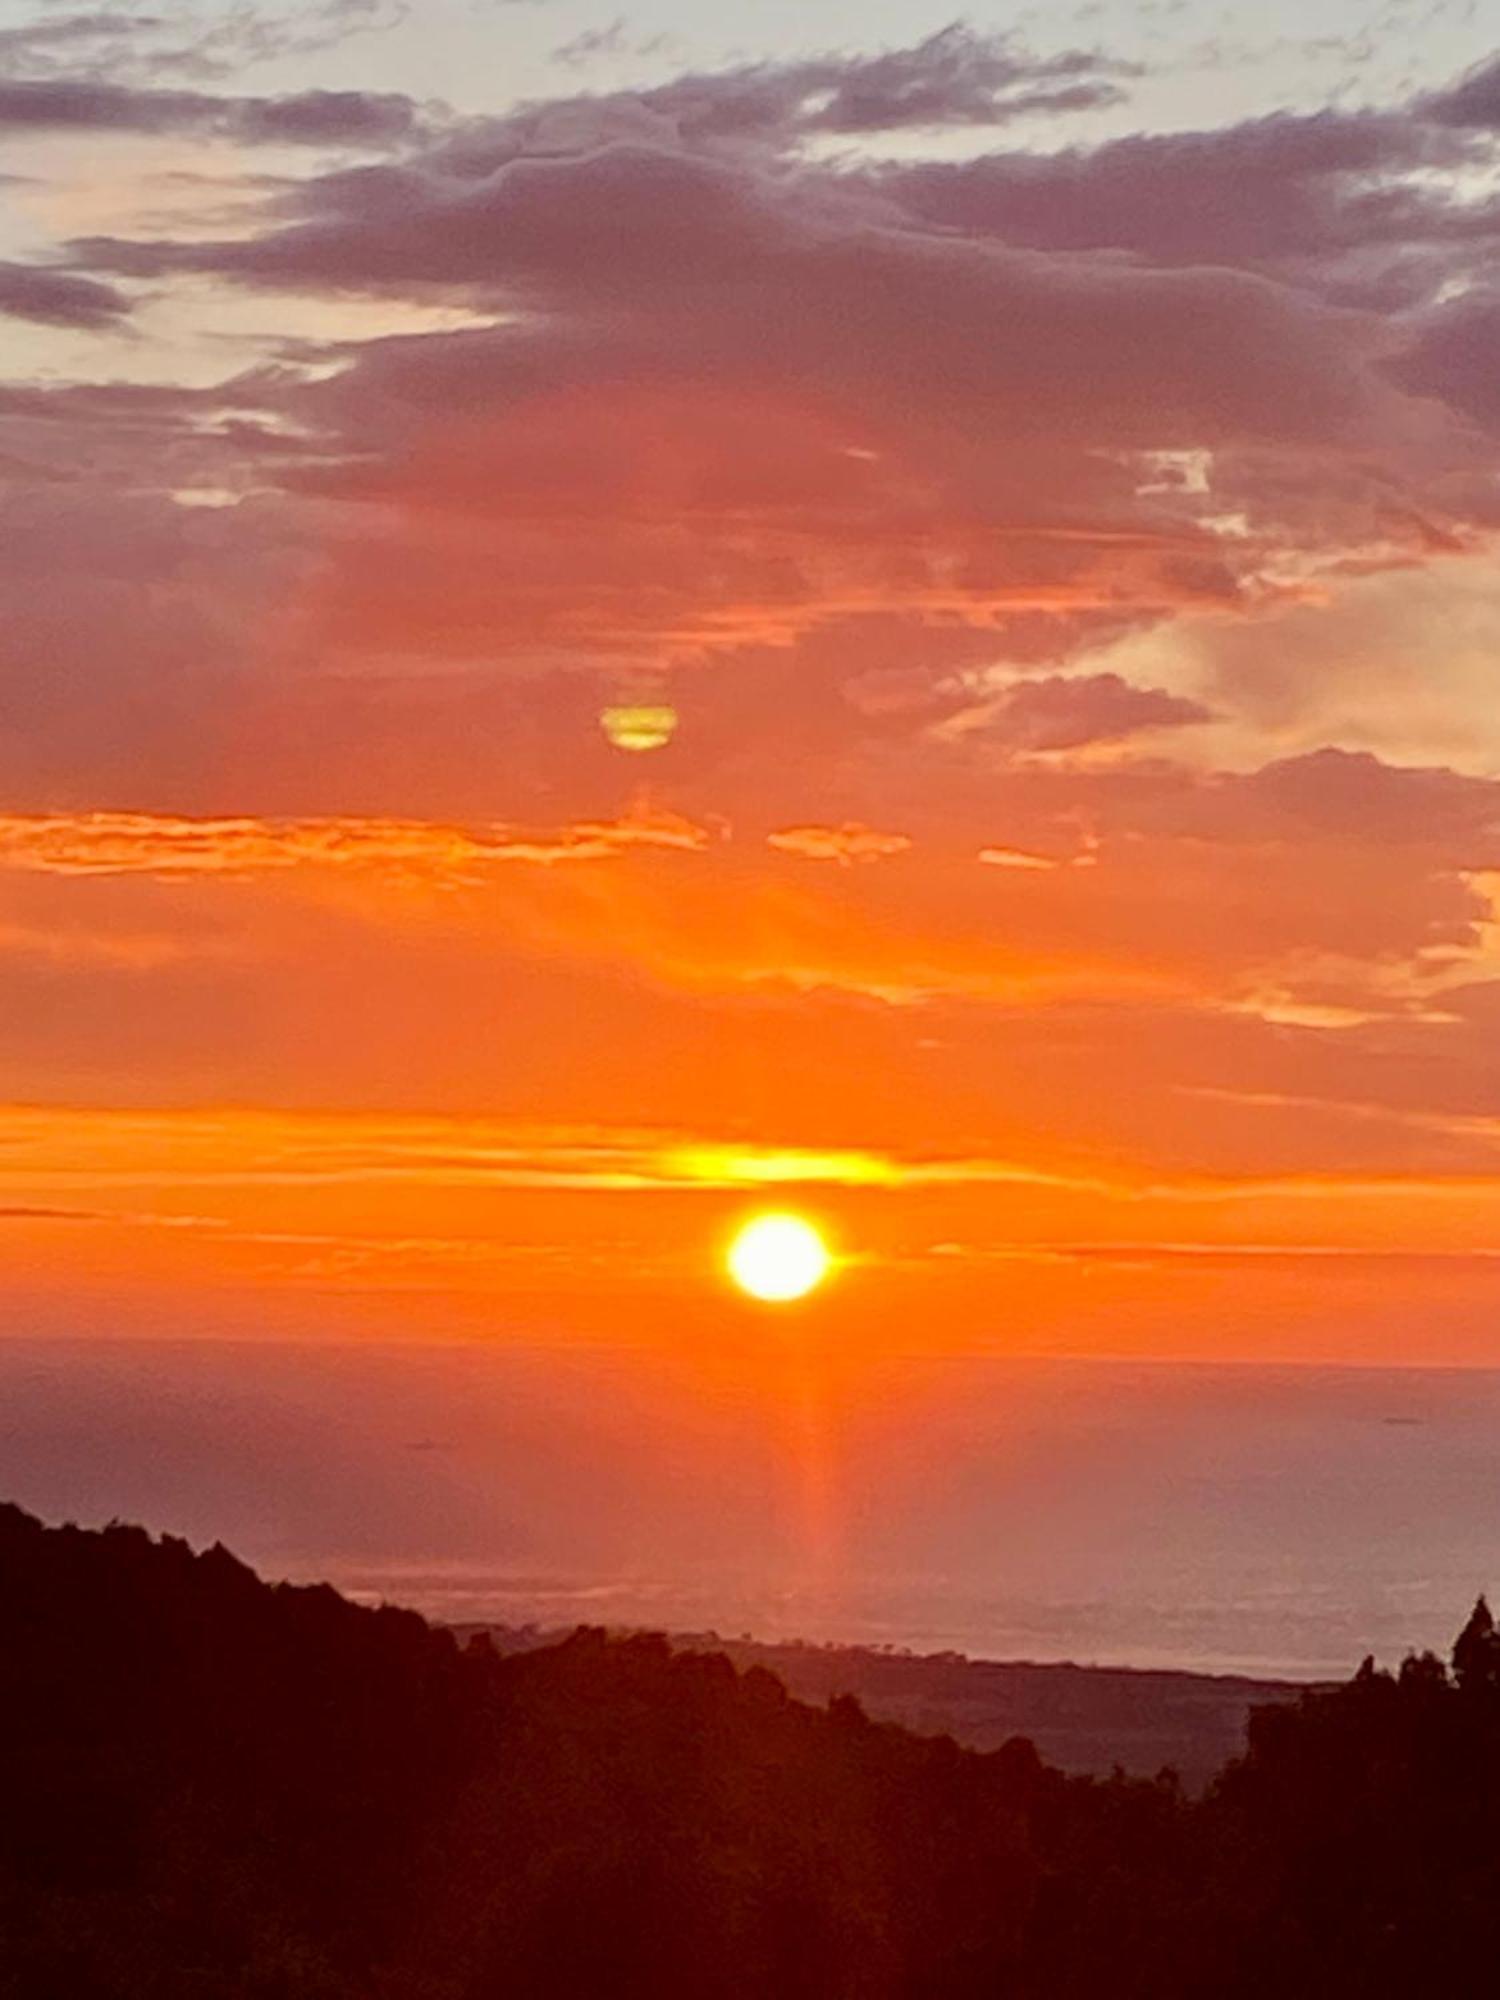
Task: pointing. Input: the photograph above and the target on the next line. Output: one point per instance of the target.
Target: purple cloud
(60, 298)
(1473, 101)
(1455, 355)
(1062, 712)
(313, 117)
(1276, 191)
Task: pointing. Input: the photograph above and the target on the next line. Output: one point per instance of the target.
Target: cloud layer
(1063, 554)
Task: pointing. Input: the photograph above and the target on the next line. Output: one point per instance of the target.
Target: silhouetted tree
(1476, 1652)
(1423, 1671)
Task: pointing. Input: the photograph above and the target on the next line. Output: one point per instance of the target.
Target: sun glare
(778, 1257)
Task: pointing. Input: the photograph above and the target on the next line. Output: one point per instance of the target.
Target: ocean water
(1280, 1521)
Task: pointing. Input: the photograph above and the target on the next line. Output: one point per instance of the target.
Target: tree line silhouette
(216, 1789)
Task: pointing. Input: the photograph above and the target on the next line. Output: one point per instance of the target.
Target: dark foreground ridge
(1082, 1719)
(212, 1789)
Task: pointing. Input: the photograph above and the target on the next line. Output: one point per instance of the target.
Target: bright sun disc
(778, 1257)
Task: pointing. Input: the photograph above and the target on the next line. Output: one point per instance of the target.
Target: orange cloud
(1016, 857)
(50, 1149)
(844, 844)
(113, 843)
(62, 1146)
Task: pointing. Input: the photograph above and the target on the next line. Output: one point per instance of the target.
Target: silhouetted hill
(212, 1789)
(1083, 1719)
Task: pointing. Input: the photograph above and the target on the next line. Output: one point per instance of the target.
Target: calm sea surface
(1281, 1520)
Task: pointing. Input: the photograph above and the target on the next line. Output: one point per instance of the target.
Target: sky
(608, 619)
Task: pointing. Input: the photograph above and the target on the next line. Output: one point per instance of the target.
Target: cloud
(1299, 194)
(1396, 663)
(325, 118)
(15, 1214)
(1053, 506)
(1452, 355)
(1474, 101)
(792, 395)
(841, 415)
(298, 1149)
(1279, 934)
(633, 253)
(1357, 795)
(951, 79)
(614, 40)
(1017, 857)
(329, 118)
(845, 844)
(60, 41)
(1062, 712)
(60, 298)
(150, 616)
(956, 78)
(176, 36)
(290, 1164)
(114, 844)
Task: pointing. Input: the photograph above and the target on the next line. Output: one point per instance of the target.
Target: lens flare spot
(639, 726)
(776, 1258)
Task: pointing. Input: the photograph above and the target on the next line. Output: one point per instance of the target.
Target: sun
(778, 1257)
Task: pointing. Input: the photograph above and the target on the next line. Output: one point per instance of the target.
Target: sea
(1274, 1521)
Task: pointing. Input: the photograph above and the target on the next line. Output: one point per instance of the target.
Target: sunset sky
(606, 619)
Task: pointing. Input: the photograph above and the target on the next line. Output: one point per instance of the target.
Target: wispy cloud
(326, 118)
(844, 844)
(120, 1148)
(178, 36)
(104, 843)
(125, 1148)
